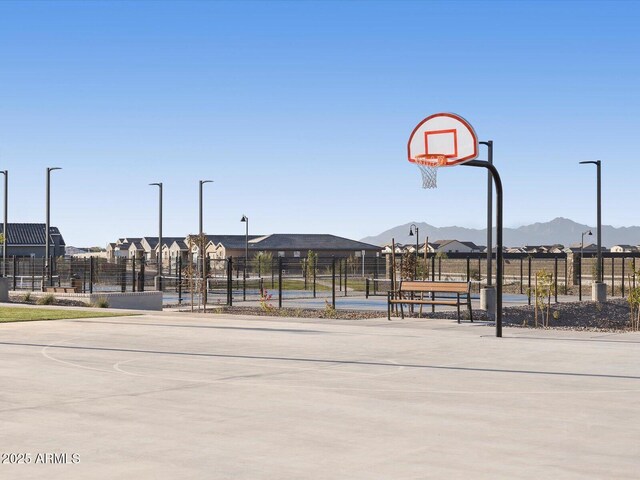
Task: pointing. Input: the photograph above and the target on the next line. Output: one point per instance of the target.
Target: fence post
(555, 278)
(133, 273)
(340, 274)
(433, 269)
(468, 269)
(279, 282)
(580, 278)
(179, 267)
(141, 275)
(375, 272)
(521, 273)
(613, 278)
(529, 282)
(15, 278)
(244, 279)
(566, 273)
(622, 276)
(315, 269)
(272, 279)
(123, 276)
(230, 281)
(346, 276)
(33, 274)
(333, 282)
(366, 288)
(90, 274)
(439, 268)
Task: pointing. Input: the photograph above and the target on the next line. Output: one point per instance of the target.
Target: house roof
(166, 241)
(28, 233)
(304, 241)
(180, 244)
(232, 241)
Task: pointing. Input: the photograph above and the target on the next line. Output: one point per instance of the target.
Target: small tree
(408, 266)
(310, 264)
(634, 302)
(543, 285)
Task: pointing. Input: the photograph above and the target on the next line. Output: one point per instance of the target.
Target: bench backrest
(448, 287)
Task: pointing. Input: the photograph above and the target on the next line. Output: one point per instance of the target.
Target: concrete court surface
(184, 396)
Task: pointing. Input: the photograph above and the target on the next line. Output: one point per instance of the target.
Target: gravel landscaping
(612, 315)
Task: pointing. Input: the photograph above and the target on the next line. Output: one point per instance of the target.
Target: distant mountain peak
(559, 230)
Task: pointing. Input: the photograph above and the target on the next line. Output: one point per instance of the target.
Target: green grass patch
(16, 314)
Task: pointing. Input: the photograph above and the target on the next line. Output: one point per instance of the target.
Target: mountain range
(559, 230)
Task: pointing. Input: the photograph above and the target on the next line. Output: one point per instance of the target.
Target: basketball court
(168, 395)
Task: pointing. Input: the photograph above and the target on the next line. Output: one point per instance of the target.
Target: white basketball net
(429, 175)
(429, 170)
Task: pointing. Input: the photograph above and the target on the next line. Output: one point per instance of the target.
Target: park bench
(412, 292)
(62, 290)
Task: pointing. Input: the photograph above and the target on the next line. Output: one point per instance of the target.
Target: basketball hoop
(441, 140)
(428, 165)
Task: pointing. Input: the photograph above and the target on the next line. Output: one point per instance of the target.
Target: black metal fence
(232, 280)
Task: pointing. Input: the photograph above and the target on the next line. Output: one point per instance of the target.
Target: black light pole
(4, 230)
(48, 227)
(588, 232)
(598, 165)
(245, 219)
(202, 182)
(159, 254)
(415, 268)
(498, 184)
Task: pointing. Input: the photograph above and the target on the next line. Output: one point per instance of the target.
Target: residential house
(624, 249)
(28, 240)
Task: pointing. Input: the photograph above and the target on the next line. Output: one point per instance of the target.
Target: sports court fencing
(281, 279)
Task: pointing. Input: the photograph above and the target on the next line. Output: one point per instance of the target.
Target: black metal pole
(90, 274)
(498, 184)
(489, 145)
(159, 254)
(179, 280)
(279, 282)
(333, 282)
(5, 233)
(598, 165)
(47, 228)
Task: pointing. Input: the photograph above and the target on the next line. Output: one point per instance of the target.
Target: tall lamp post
(5, 234)
(245, 219)
(598, 289)
(588, 232)
(47, 228)
(415, 267)
(159, 254)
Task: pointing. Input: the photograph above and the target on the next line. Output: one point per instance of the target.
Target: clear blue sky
(300, 112)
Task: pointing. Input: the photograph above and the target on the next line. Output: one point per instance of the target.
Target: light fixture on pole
(47, 228)
(159, 254)
(245, 219)
(415, 267)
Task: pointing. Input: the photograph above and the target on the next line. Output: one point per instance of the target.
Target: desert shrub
(46, 300)
(101, 302)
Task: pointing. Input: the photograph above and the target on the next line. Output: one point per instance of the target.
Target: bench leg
(469, 306)
(389, 307)
(401, 312)
(458, 307)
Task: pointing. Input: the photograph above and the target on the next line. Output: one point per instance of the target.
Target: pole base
(4, 289)
(599, 292)
(488, 301)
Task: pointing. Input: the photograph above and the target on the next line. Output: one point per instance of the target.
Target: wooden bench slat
(426, 302)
